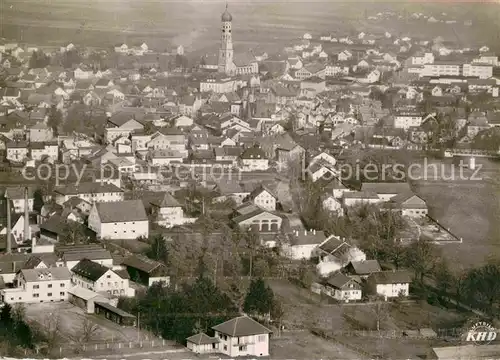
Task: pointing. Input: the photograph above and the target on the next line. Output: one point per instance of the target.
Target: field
(195, 23)
(306, 310)
(471, 210)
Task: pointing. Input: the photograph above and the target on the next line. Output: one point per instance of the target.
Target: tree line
(177, 312)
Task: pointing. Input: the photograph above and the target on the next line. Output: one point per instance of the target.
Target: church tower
(226, 64)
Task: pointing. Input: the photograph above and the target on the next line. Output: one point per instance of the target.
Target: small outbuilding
(202, 343)
(114, 314)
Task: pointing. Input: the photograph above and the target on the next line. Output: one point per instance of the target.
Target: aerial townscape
(329, 190)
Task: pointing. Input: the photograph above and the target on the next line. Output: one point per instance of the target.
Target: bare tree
(52, 325)
(85, 334)
(381, 311)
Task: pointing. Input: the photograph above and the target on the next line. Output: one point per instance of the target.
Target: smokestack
(9, 227)
(26, 215)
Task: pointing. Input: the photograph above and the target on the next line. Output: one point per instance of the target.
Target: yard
(71, 319)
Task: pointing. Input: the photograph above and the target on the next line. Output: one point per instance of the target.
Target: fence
(117, 346)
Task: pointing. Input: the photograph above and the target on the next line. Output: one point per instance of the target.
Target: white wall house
(342, 288)
(406, 119)
(119, 220)
(242, 336)
(254, 159)
(98, 278)
(390, 284)
(263, 198)
(16, 195)
(303, 244)
(38, 285)
(169, 212)
(89, 191)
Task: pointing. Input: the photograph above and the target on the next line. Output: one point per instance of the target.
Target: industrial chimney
(26, 215)
(9, 227)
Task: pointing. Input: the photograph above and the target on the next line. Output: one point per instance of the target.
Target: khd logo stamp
(481, 333)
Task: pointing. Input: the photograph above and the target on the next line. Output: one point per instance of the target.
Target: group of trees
(15, 333)
(217, 251)
(178, 312)
(39, 60)
(55, 119)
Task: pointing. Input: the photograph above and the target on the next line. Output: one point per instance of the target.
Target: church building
(230, 64)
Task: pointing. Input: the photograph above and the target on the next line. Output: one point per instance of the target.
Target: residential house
(40, 132)
(353, 198)
(17, 151)
(386, 190)
(44, 151)
(101, 279)
(119, 220)
(113, 132)
(90, 192)
(408, 204)
(263, 198)
(303, 244)
(254, 159)
(406, 118)
(390, 284)
(363, 268)
(476, 122)
(242, 336)
(342, 288)
(17, 198)
(335, 253)
(38, 285)
(168, 211)
(70, 255)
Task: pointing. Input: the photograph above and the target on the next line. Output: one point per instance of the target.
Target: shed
(114, 314)
(202, 343)
(84, 298)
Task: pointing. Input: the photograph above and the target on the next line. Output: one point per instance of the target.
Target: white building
(482, 71)
(119, 220)
(442, 68)
(405, 119)
(254, 159)
(169, 212)
(303, 244)
(422, 59)
(88, 191)
(38, 285)
(263, 198)
(342, 288)
(220, 85)
(390, 284)
(16, 196)
(242, 336)
(100, 279)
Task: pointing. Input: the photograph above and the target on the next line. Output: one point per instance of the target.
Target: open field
(471, 210)
(195, 24)
(304, 345)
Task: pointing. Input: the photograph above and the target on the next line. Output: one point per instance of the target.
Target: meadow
(471, 209)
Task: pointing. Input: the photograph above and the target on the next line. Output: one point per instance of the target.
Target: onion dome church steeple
(226, 16)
